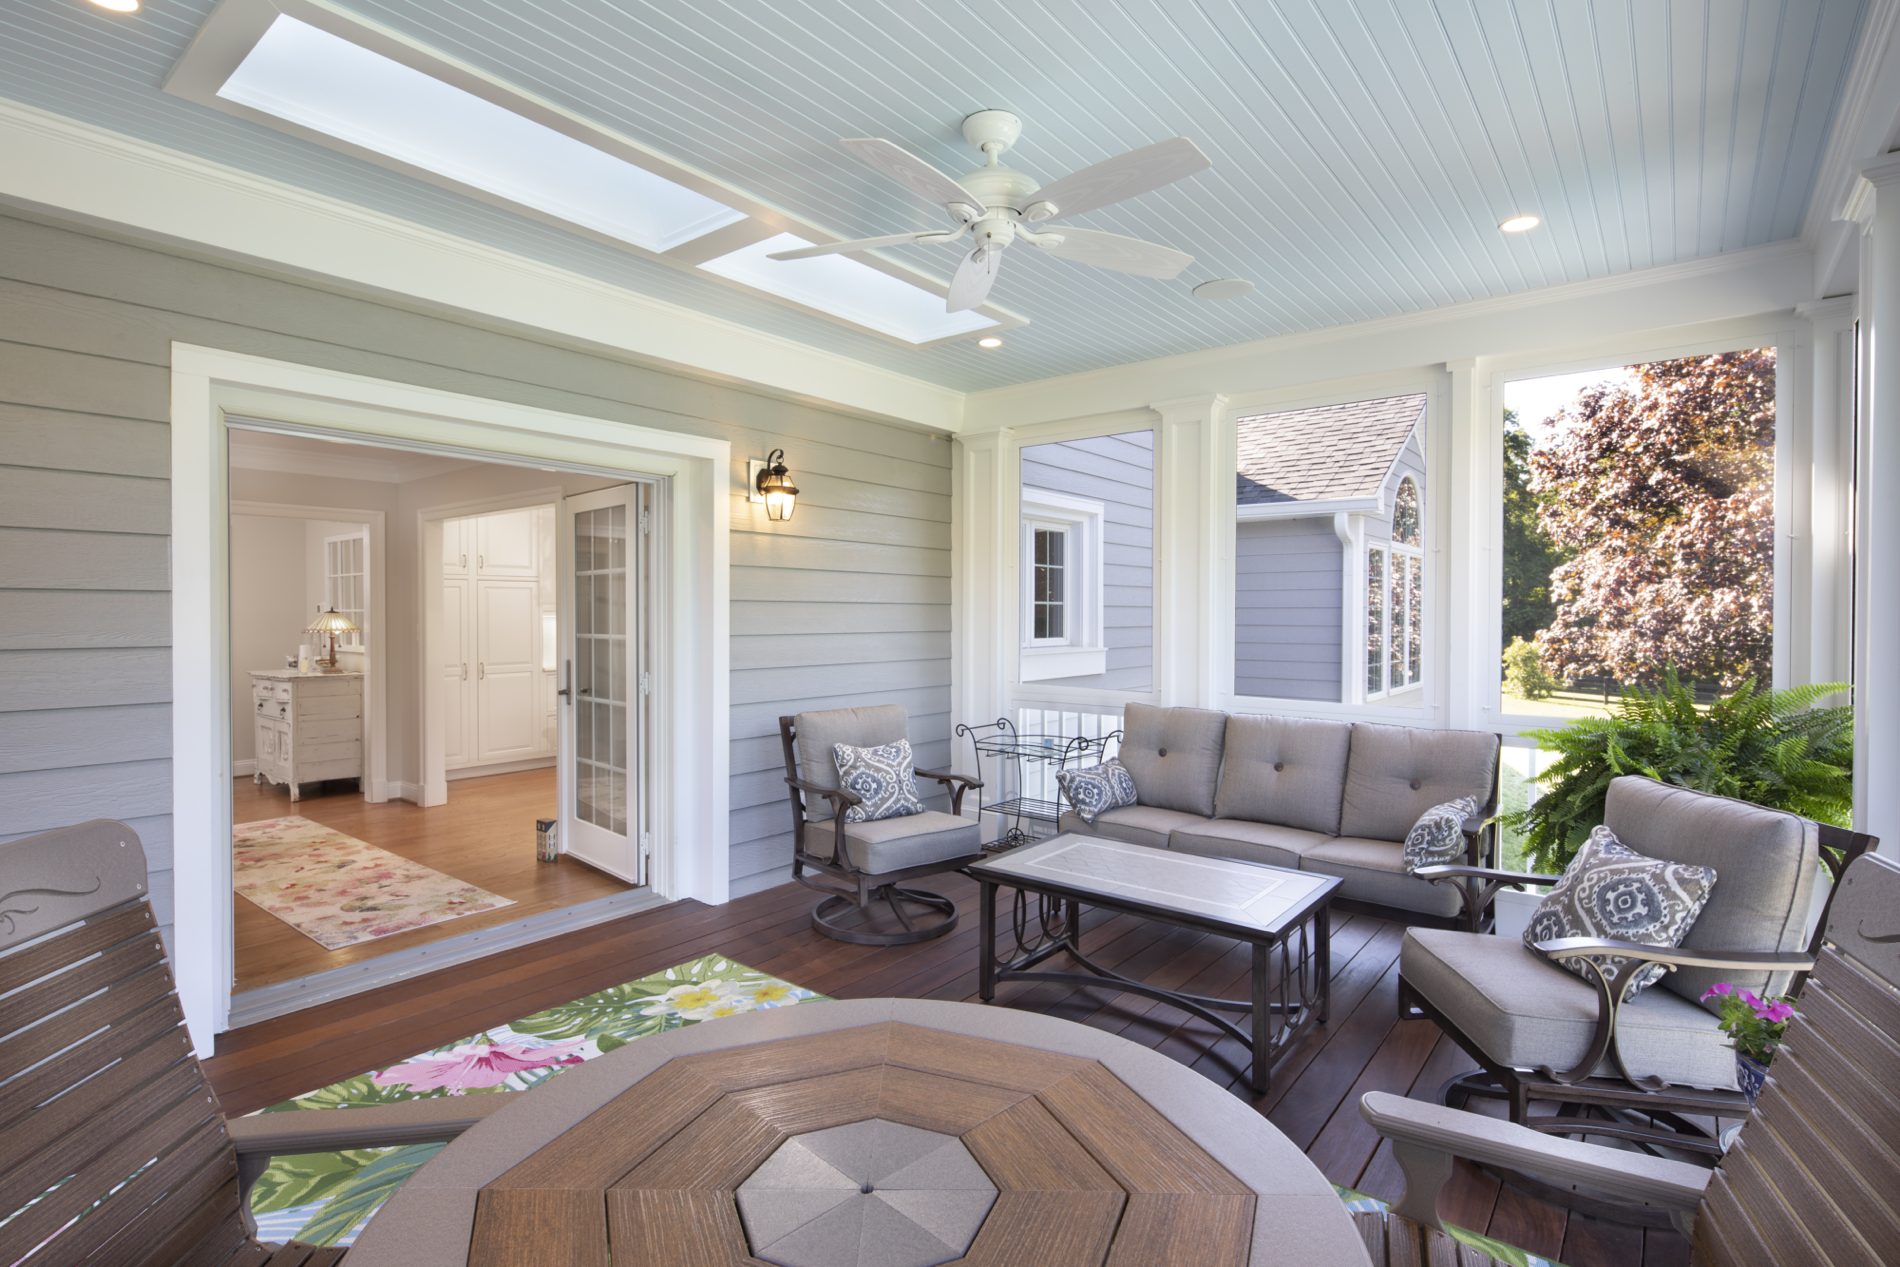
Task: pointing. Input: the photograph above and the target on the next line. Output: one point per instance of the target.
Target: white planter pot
(1513, 911)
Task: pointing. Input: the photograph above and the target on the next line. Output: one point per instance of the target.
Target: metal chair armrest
(841, 801)
(1773, 961)
(1454, 871)
(957, 783)
(1476, 886)
(1426, 1137)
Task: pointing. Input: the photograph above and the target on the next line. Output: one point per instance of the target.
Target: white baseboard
(244, 769)
(500, 767)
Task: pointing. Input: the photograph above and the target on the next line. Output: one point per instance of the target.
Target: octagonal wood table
(1101, 1151)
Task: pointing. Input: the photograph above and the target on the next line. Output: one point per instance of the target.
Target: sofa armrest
(1426, 1137)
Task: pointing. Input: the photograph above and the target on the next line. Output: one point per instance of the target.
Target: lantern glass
(779, 504)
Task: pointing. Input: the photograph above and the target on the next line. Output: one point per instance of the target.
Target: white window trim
(359, 615)
(1083, 650)
(1394, 550)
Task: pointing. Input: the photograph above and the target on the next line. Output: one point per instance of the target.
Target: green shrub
(1524, 675)
(1774, 748)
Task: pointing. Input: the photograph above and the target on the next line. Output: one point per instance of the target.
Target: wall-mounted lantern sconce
(770, 483)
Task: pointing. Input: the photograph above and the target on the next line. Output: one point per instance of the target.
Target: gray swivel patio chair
(1645, 1069)
(1813, 1176)
(113, 1149)
(860, 866)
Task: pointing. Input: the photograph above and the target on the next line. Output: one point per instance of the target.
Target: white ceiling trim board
(1864, 122)
(1764, 279)
(61, 165)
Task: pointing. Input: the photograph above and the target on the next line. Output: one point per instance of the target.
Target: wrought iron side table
(999, 739)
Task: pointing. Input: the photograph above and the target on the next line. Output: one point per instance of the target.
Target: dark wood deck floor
(1315, 1090)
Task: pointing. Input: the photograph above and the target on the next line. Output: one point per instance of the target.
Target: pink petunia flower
(477, 1065)
(1748, 997)
(1774, 1013)
(1717, 990)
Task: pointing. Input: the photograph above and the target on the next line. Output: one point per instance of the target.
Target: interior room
(1041, 633)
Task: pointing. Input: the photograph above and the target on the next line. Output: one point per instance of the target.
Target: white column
(1827, 527)
(1462, 563)
(1194, 541)
(982, 570)
(1877, 539)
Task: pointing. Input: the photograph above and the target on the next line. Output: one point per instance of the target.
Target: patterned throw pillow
(1610, 890)
(1097, 789)
(1439, 835)
(885, 777)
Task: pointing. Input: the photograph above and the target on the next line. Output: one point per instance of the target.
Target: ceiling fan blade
(1112, 251)
(868, 244)
(971, 286)
(1135, 172)
(911, 172)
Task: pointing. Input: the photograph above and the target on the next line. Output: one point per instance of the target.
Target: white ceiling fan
(997, 204)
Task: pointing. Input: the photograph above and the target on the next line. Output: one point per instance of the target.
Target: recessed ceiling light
(1517, 224)
(1226, 288)
(991, 342)
(118, 6)
(847, 288)
(330, 85)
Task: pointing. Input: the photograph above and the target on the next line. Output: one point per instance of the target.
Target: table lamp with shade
(333, 623)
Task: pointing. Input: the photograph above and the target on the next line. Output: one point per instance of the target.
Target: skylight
(849, 289)
(320, 81)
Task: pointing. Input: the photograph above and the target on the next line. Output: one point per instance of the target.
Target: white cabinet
(308, 726)
(497, 591)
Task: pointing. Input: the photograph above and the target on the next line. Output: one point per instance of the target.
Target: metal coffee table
(1271, 908)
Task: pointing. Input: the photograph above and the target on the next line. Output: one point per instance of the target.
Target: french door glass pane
(600, 672)
(1415, 622)
(1375, 621)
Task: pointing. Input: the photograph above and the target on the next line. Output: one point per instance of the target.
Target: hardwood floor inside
(484, 835)
(1315, 1094)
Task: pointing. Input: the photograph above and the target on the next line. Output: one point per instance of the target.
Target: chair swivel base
(893, 917)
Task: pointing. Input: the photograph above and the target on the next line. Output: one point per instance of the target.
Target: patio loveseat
(1333, 797)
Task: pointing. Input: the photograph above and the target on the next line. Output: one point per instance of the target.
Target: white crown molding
(1763, 279)
(61, 165)
(1870, 92)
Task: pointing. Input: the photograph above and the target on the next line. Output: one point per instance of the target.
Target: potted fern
(1774, 748)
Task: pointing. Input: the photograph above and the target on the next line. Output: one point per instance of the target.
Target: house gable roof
(1334, 451)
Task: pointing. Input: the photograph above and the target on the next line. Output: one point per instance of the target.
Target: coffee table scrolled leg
(1323, 959)
(986, 954)
(1262, 1074)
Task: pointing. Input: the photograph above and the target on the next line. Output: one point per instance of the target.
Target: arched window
(1405, 513)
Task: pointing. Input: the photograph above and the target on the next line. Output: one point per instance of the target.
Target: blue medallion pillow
(1439, 835)
(884, 778)
(1097, 789)
(1610, 890)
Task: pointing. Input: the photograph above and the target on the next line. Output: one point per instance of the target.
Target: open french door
(605, 682)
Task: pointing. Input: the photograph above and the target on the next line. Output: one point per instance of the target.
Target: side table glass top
(1212, 888)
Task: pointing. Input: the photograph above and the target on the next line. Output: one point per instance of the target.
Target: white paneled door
(603, 761)
(498, 600)
(507, 623)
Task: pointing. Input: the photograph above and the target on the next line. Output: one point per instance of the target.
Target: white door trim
(690, 859)
(377, 786)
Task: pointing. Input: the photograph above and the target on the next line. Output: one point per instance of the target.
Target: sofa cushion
(1525, 1011)
(1136, 824)
(1290, 771)
(1249, 842)
(1766, 859)
(1374, 871)
(1396, 773)
(816, 732)
(892, 844)
(1174, 755)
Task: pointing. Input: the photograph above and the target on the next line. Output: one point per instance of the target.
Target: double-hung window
(1062, 586)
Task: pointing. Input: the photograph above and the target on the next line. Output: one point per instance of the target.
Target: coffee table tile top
(1233, 891)
(873, 1193)
(1084, 1170)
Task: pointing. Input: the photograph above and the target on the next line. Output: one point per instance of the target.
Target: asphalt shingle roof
(1333, 451)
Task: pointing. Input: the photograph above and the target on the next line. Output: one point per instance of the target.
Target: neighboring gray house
(1088, 562)
(1329, 554)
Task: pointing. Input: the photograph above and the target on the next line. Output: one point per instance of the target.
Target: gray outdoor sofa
(1333, 797)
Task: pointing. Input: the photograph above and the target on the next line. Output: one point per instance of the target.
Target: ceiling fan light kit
(1225, 288)
(996, 205)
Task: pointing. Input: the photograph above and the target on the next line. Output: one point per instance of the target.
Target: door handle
(481, 671)
(567, 692)
(465, 672)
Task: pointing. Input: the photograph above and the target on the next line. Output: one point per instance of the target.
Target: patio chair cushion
(1438, 836)
(1525, 1011)
(1097, 788)
(1136, 824)
(884, 776)
(1246, 841)
(1610, 890)
(859, 727)
(892, 844)
(1767, 885)
(1174, 755)
(1285, 770)
(1396, 773)
(1374, 871)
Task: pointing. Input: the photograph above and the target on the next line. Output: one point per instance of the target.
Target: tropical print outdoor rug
(338, 890)
(323, 1198)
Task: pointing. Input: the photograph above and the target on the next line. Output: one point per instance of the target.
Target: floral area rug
(338, 890)
(1360, 1203)
(323, 1198)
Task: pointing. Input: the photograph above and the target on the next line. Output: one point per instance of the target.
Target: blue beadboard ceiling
(1363, 153)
